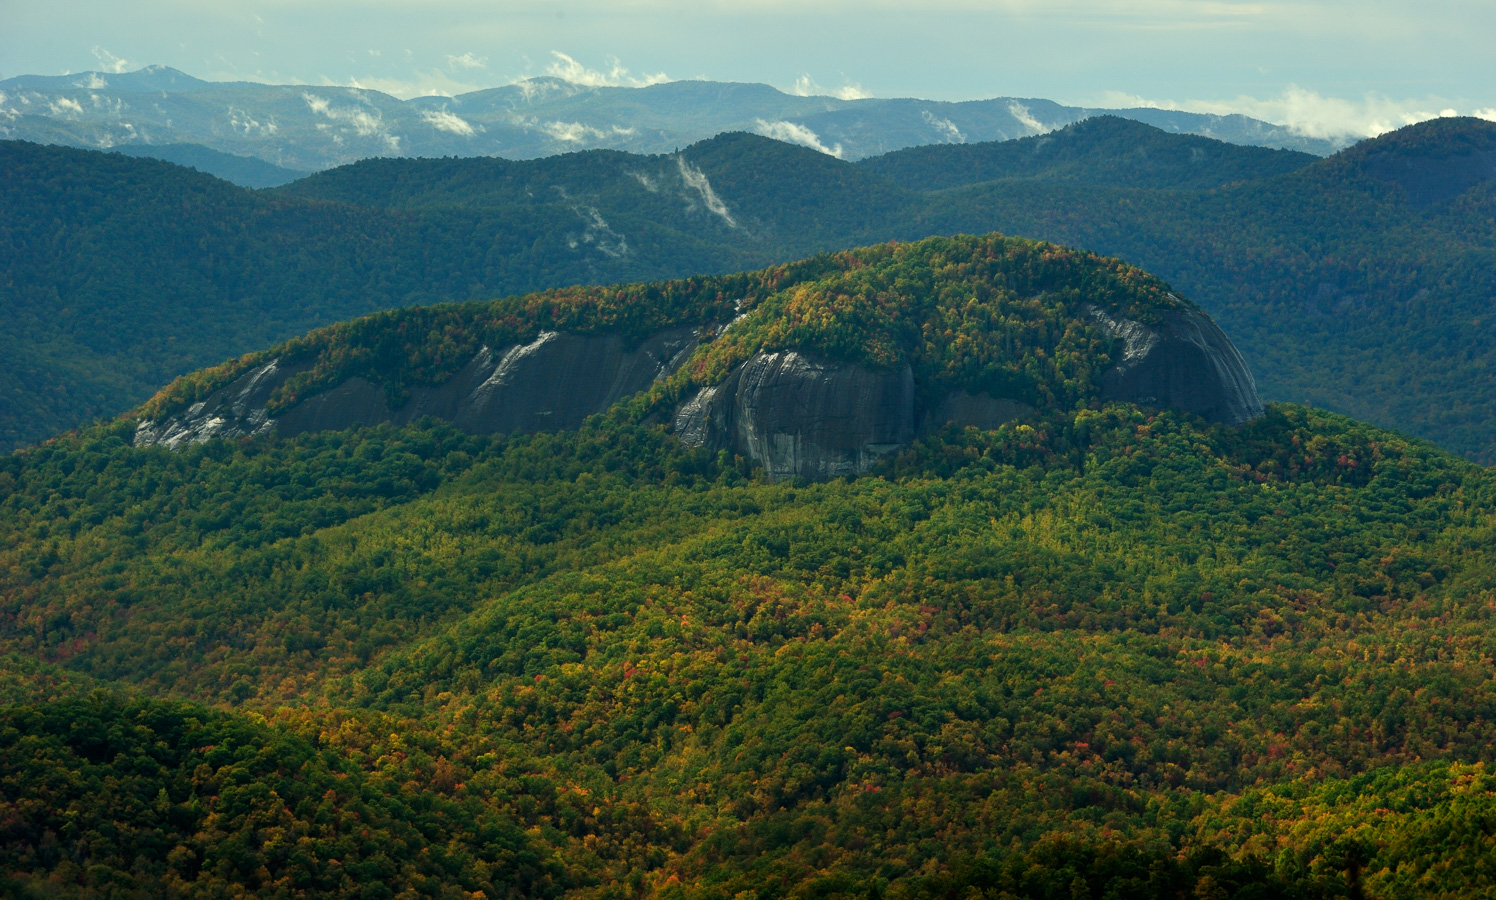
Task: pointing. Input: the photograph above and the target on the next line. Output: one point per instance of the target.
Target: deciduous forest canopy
(1104, 651)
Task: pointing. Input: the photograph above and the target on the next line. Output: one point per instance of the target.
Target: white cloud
(93, 82)
(795, 133)
(648, 183)
(1026, 118)
(451, 123)
(109, 61)
(467, 61)
(598, 232)
(240, 120)
(697, 181)
(577, 132)
(64, 105)
(944, 127)
(805, 86)
(1310, 113)
(364, 122)
(1489, 114)
(568, 69)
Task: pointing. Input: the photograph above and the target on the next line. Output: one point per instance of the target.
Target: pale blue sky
(1326, 66)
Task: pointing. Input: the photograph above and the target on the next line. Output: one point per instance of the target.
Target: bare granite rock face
(1186, 363)
(801, 417)
(552, 383)
(798, 416)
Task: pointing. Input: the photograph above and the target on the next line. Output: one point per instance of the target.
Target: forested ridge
(1359, 283)
(1100, 652)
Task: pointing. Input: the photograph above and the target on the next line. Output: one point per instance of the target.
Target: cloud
(805, 86)
(697, 181)
(467, 61)
(109, 61)
(1026, 118)
(577, 132)
(451, 123)
(1488, 114)
(568, 69)
(240, 120)
(598, 232)
(944, 127)
(795, 133)
(64, 105)
(93, 82)
(364, 122)
(1311, 114)
(648, 183)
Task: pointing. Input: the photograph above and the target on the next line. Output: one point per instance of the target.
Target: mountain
(245, 171)
(1360, 283)
(1105, 150)
(309, 127)
(849, 388)
(1340, 287)
(1094, 649)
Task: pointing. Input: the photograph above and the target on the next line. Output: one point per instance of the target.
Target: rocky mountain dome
(1005, 329)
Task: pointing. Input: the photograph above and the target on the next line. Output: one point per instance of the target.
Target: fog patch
(943, 127)
(442, 120)
(696, 180)
(364, 122)
(1026, 119)
(795, 133)
(568, 69)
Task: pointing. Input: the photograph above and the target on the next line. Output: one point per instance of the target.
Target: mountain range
(301, 128)
(1359, 283)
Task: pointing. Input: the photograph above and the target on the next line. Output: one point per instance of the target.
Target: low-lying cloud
(579, 132)
(947, 129)
(241, 120)
(568, 69)
(64, 105)
(805, 86)
(364, 122)
(442, 120)
(1026, 118)
(795, 133)
(696, 180)
(1311, 114)
(109, 62)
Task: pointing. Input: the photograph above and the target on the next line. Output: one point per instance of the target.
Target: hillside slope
(1104, 150)
(1100, 650)
(1340, 286)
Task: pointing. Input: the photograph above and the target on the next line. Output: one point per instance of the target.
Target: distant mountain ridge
(313, 127)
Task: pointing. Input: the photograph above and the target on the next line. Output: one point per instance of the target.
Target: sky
(1327, 68)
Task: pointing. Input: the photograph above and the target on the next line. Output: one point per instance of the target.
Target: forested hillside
(1358, 283)
(1104, 150)
(1102, 652)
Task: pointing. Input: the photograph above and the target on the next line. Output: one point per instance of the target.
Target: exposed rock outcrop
(799, 416)
(552, 383)
(1186, 363)
(807, 418)
(795, 415)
